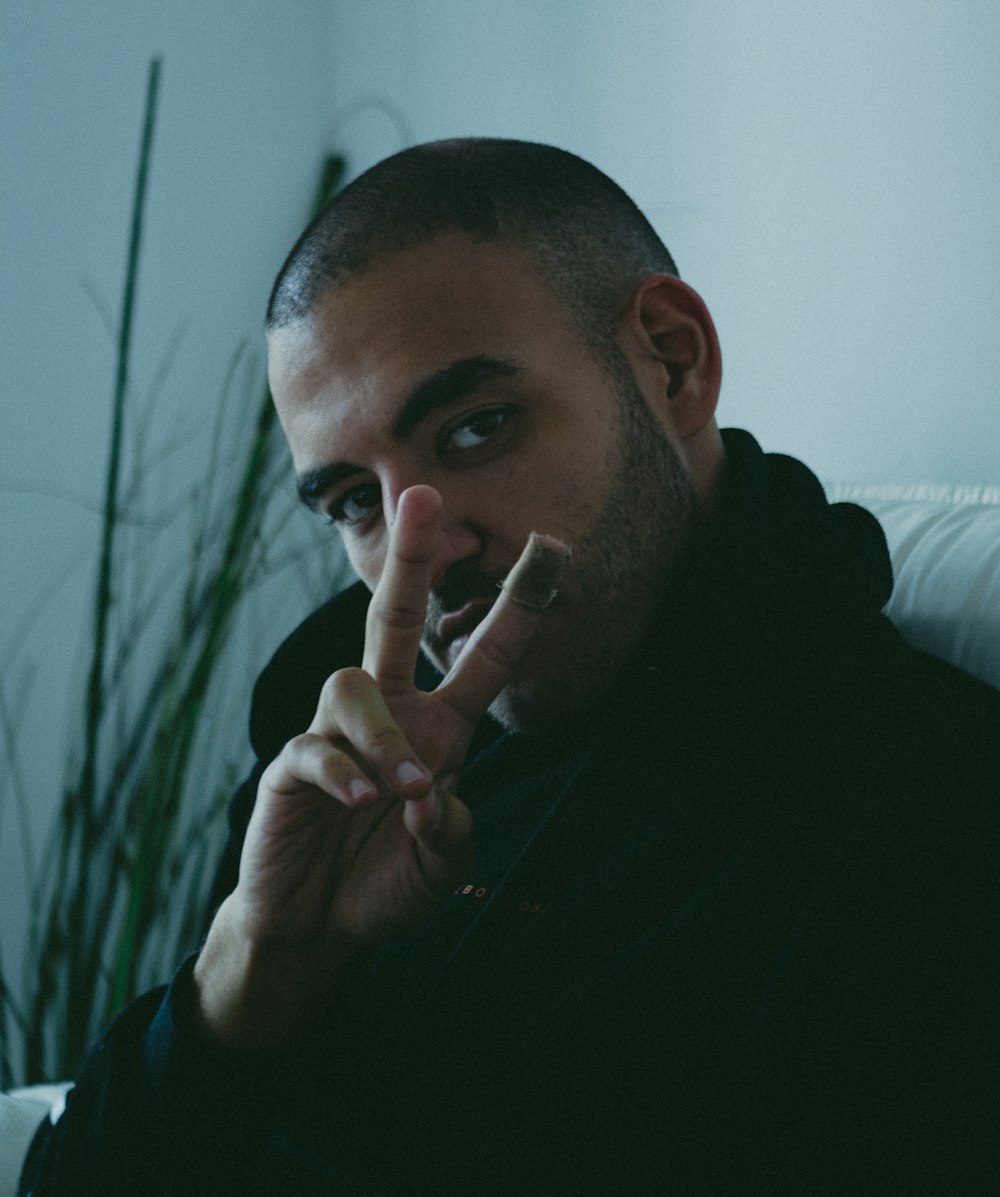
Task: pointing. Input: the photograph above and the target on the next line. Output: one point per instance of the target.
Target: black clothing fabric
(734, 936)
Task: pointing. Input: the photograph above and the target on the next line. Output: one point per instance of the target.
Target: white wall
(827, 175)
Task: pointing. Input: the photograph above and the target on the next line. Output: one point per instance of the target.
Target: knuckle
(296, 748)
(385, 742)
(336, 768)
(297, 743)
(344, 686)
(311, 756)
(290, 763)
(397, 613)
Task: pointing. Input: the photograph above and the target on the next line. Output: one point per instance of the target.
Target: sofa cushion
(19, 1119)
(945, 547)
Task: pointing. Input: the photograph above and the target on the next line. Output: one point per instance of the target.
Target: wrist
(253, 997)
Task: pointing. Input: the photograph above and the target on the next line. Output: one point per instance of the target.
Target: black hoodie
(734, 936)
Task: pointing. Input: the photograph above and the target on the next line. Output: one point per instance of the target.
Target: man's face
(452, 364)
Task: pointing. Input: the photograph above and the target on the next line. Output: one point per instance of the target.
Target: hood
(772, 594)
(777, 556)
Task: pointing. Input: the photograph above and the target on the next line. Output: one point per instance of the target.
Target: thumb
(441, 827)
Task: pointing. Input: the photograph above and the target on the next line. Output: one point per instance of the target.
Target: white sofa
(21, 1112)
(945, 545)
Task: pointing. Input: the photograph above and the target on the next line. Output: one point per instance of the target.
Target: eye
(474, 430)
(355, 506)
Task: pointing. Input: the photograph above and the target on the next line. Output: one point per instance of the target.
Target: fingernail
(409, 772)
(361, 787)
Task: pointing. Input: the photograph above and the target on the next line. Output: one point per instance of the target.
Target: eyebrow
(449, 385)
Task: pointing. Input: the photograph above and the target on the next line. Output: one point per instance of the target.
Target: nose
(458, 541)
(458, 538)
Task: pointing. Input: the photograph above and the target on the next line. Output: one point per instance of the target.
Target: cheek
(571, 493)
(366, 559)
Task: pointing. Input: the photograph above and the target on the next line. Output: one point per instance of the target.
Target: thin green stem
(128, 870)
(104, 596)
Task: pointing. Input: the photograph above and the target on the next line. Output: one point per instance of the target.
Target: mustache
(466, 584)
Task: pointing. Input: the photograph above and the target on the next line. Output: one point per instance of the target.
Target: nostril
(458, 544)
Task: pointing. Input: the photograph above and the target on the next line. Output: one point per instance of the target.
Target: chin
(555, 713)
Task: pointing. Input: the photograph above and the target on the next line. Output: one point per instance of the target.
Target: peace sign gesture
(356, 834)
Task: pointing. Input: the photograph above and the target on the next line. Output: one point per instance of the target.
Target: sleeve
(157, 1109)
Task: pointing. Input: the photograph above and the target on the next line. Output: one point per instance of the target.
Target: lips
(461, 622)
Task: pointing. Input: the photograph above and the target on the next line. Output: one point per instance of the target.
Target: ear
(671, 342)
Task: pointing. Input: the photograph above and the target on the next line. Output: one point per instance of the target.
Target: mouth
(455, 627)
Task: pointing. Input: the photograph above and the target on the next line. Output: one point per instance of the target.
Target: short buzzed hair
(586, 237)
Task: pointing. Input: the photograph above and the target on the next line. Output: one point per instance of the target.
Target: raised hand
(356, 834)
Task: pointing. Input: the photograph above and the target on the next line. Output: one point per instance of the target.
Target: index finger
(486, 663)
(398, 608)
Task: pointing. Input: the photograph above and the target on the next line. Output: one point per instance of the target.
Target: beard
(620, 569)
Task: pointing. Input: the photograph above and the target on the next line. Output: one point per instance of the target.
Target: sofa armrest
(21, 1113)
(945, 547)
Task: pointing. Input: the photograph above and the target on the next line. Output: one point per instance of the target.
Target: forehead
(410, 313)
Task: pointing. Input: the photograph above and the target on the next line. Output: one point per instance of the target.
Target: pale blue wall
(827, 174)
(235, 161)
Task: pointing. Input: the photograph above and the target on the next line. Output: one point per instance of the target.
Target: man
(677, 881)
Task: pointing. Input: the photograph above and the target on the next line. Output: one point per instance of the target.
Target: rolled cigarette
(534, 580)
